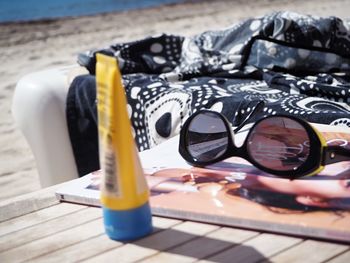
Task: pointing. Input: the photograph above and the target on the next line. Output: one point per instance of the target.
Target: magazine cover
(234, 193)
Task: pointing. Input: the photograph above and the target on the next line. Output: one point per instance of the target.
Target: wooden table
(38, 228)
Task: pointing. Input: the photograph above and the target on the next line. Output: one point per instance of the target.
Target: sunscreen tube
(124, 190)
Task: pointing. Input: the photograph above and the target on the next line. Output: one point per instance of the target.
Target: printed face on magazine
(321, 191)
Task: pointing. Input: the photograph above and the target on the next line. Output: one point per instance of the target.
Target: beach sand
(29, 47)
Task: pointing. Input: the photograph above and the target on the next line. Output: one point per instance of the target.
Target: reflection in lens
(207, 137)
(279, 143)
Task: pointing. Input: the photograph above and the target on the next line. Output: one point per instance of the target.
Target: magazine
(234, 193)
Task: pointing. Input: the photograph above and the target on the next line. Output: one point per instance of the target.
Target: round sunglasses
(280, 145)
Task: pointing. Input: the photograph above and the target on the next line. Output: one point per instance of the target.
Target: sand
(29, 47)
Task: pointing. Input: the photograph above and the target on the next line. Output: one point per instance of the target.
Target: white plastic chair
(38, 108)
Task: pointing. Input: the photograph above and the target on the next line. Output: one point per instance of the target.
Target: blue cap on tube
(125, 225)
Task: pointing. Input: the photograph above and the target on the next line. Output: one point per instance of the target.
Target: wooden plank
(18, 183)
(256, 249)
(127, 253)
(54, 242)
(203, 247)
(342, 258)
(151, 245)
(28, 203)
(48, 228)
(177, 235)
(195, 228)
(163, 222)
(233, 235)
(190, 251)
(38, 217)
(168, 257)
(95, 245)
(80, 251)
(310, 251)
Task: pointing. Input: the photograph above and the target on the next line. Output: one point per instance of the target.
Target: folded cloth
(297, 64)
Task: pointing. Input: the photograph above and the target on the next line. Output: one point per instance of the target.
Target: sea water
(28, 10)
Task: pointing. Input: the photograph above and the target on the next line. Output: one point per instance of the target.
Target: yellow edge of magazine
(124, 191)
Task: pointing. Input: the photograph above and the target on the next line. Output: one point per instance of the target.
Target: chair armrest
(38, 108)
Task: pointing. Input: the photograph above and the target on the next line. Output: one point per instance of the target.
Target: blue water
(28, 10)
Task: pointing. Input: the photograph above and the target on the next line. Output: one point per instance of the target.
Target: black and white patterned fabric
(297, 64)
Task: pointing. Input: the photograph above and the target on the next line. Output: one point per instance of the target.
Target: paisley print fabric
(298, 64)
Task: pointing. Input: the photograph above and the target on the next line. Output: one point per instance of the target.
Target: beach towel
(297, 64)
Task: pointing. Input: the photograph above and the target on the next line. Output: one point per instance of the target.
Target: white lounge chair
(38, 108)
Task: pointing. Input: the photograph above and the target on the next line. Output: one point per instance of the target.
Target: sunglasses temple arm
(258, 108)
(335, 154)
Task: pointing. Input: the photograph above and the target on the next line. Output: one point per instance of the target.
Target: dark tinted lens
(279, 143)
(207, 137)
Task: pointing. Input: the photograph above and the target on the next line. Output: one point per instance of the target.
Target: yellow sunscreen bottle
(124, 191)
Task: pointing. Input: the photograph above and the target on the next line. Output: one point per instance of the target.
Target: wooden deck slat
(53, 242)
(310, 251)
(127, 253)
(80, 251)
(342, 258)
(51, 227)
(203, 247)
(37, 217)
(161, 241)
(16, 184)
(95, 245)
(28, 203)
(168, 257)
(233, 235)
(163, 222)
(195, 228)
(256, 249)
(190, 251)
(176, 235)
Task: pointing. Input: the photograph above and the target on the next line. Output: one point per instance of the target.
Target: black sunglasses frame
(314, 161)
